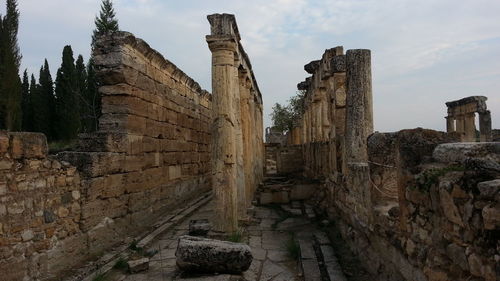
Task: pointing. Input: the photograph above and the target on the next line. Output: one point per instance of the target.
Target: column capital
(221, 43)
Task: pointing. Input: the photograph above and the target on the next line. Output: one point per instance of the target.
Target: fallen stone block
(196, 254)
(138, 265)
(199, 227)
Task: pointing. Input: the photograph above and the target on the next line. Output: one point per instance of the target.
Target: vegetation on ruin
(292, 247)
(60, 109)
(236, 236)
(430, 177)
(284, 117)
(121, 264)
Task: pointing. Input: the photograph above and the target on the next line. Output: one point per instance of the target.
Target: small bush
(236, 236)
(430, 177)
(121, 264)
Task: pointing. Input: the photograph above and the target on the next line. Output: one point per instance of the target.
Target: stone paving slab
(267, 235)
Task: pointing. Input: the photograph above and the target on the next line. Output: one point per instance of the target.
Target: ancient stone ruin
(461, 118)
(335, 201)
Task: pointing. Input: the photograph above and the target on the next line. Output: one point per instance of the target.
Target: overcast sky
(424, 53)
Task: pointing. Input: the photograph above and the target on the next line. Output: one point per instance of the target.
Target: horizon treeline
(60, 108)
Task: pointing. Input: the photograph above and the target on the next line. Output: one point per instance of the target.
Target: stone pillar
(238, 134)
(450, 124)
(248, 152)
(485, 126)
(359, 91)
(223, 146)
(469, 128)
(358, 126)
(460, 124)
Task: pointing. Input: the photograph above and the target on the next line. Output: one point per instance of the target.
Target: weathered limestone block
(458, 152)
(208, 255)
(312, 66)
(28, 145)
(199, 227)
(138, 265)
(338, 64)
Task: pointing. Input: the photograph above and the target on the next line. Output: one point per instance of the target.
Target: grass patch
(430, 177)
(236, 236)
(63, 145)
(292, 247)
(121, 264)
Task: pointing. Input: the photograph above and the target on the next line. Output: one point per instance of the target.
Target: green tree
(106, 22)
(44, 100)
(27, 104)
(81, 85)
(10, 59)
(92, 100)
(284, 117)
(67, 105)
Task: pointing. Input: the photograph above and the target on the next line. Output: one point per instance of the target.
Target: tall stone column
(358, 126)
(450, 124)
(359, 90)
(238, 134)
(485, 125)
(469, 127)
(248, 152)
(223, 156)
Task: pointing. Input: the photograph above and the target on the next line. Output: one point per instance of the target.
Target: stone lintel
(467, 100)
(312, 66)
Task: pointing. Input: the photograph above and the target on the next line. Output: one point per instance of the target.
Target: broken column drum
(214, 256)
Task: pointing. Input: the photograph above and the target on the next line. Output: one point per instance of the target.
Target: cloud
(423, 53)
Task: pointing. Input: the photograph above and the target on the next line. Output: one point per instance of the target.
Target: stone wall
(289, 160)
(150, 155)
(40, 210)
(406, 214)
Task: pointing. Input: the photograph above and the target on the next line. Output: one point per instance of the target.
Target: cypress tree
(106, 22)
(45, 118)
(92, 98)
(10, 59)
(27, 104)
(67, 105)
(81, 87)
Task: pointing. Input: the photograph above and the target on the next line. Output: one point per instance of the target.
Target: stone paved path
(273, 235)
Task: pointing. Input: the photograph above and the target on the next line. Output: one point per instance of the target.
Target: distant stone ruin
(461, 118)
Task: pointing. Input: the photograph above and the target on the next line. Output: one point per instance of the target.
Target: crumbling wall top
(108, 44)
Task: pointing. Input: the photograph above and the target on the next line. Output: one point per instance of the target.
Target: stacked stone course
(405, 214)
(40, 209)
(150, 155)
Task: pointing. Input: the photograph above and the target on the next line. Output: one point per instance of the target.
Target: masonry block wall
(40, 209)
(151, 152)
(407, 215)
(150, 155)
